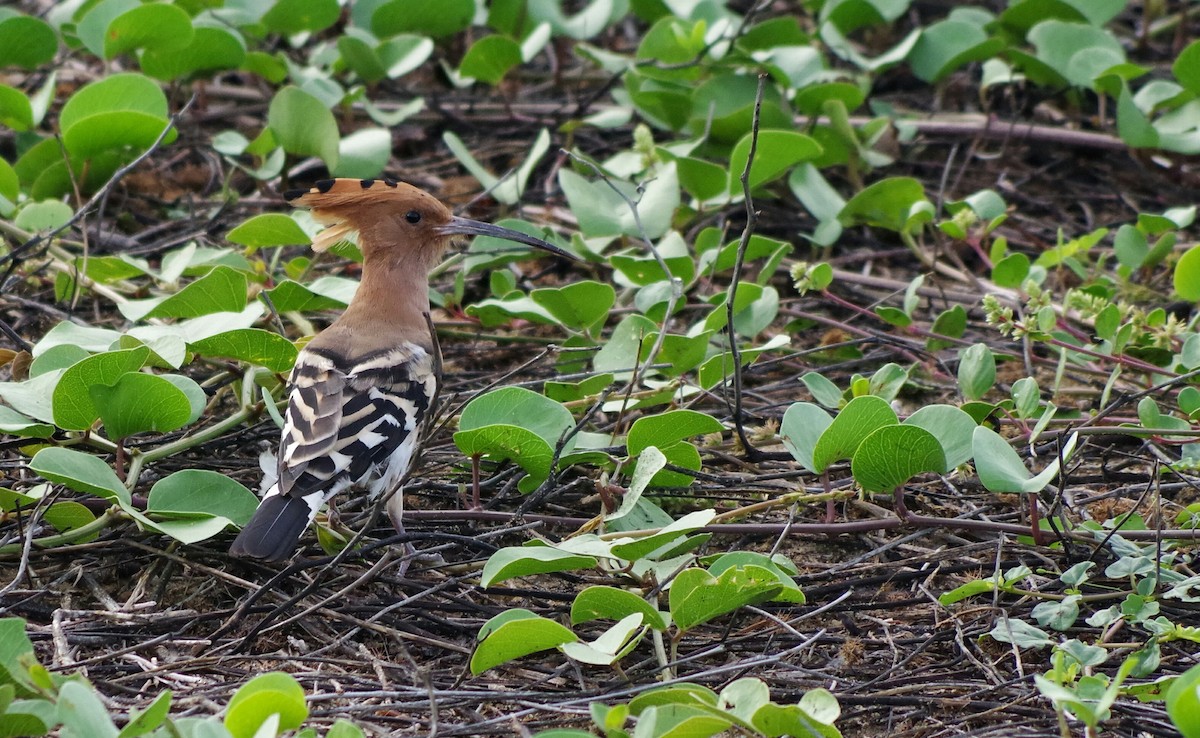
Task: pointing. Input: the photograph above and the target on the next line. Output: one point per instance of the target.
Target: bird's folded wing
(346, 418)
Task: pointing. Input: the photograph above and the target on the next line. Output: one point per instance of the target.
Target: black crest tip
(324, 185)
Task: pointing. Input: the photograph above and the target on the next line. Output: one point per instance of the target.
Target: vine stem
(739, 262)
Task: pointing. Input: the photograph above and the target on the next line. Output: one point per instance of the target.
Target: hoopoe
(361, 388)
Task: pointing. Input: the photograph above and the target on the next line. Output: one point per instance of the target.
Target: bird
(360, 389)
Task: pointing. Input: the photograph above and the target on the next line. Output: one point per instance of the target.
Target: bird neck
(392, 299)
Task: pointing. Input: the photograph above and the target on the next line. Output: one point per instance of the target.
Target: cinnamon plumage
(361, 389)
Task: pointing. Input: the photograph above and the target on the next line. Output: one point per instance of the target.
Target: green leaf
(223, 290)
(212, 48)
(886, 204)
(650, 461)
(33, 397)
(632, 549)
(608, 647)
(514, 634)
(144, 721)
(949, 44)
(697, 597)
(580, 305)
(66, 333)
(780, 565)
(1187, 275)
(360, 56)
(429, 19)
(964, 591)
(951, 427)
(778, 151)
(202, 491)
(401, 55)
(320, 294)
(1183, 703)
(1078, 52)
(893, 454)
(303, 125)
(269, 229)
(1186, 69)
(1000, 469)
(343, 728)
(274, 693)
(666, 429)
(364, 153)
(26, 42)
(150, 26)
(976, 371)
(252, 345)
(14, 423)
(601, 211)
(524, 561)
(861, 417)
(1019, 633)
(803, 425)
(72, 400)
(81, 472)
(822, 389)
(140, 403)
(516, 424)
(490, 58)
(15, 110)
(118, 111)
(298, 16)
(15, 652)
(609, 603)
(82, 713)
(43, 216)
(69, 515)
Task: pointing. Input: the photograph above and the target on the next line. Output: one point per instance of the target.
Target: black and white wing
(347, 422)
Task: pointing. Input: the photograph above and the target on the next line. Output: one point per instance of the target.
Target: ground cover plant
(870, 408)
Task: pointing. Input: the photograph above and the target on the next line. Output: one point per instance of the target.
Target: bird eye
(412, 216)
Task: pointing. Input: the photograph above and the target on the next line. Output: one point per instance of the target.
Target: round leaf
(802, 427)
(252, 345)
(153, 25)
(951, 427)
(140, 403)
(667, 429)
(303, 125)
(698, 597)
(490, 58)
(523, 561)
(429, 19)
(297, 16)
(1187, 275)
(861, 416)
(609, 603)
(72, 401)
(265, 695)
(123, 110)
(885, 204)
(892, 455)
(26, 42)
(516, 638)
(79, 471)
(269, 229)
(202, 491)
(211, 49)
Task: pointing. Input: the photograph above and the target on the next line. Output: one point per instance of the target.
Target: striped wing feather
(347, 422)
(343, 425)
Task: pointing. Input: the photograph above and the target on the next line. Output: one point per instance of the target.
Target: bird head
(396, 222)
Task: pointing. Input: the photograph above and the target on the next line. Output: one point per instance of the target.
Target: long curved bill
(468, 227)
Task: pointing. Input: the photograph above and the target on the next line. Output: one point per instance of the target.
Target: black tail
(274, 529)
